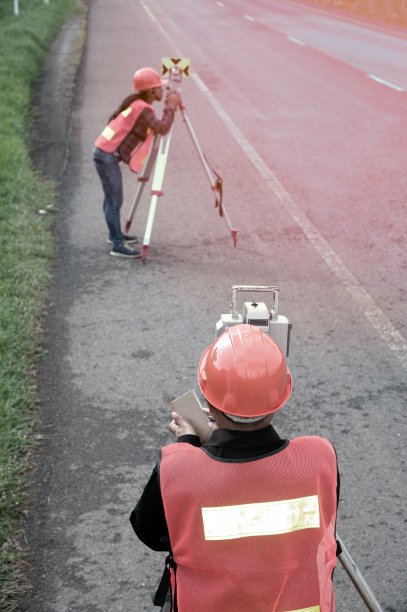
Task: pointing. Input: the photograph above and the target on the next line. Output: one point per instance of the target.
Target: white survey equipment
(259, 314)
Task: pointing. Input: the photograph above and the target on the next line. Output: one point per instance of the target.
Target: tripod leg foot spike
(234, 236)
(144, 252)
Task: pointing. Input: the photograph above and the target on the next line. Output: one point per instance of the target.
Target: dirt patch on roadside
(53, 96)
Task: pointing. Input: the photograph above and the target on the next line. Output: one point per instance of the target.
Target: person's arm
(148, 517)
(162, 126)
(338, 490)
(338, 487)
(159, 126)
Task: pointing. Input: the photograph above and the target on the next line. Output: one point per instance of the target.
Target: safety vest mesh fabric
(252, 536)
(117, 130)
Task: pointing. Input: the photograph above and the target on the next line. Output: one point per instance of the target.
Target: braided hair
(139, 95)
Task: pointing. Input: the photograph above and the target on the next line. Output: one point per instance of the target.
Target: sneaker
(130, 239)
(122, 251)
(126, 238)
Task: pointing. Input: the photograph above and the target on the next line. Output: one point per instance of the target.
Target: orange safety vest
(117, 129)
(252, 535)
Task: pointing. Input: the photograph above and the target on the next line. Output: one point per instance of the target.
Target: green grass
(26, 253)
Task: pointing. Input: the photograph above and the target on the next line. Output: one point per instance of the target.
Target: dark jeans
(107, 166)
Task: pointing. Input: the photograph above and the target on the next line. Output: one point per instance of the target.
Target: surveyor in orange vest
(127, 138)
(248, 518)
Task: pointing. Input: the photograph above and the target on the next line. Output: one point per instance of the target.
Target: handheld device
(189, 406)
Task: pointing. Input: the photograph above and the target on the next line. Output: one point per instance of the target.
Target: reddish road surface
(323, 102)
(304, 115)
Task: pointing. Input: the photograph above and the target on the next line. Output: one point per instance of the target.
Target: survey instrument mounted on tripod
(176, 69)
(267, 318)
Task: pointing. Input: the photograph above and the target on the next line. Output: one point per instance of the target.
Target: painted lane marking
(152, 17)
(301, 43)
(375, 316)
(346, 17)
(383, 82)
(296, 41)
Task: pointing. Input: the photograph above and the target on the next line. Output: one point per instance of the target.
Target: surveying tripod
(158, 155)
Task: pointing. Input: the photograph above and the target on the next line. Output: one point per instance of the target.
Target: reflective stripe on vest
(117, 129)
(313, 609)
(108, 133)
(269, 518)
(252, 535)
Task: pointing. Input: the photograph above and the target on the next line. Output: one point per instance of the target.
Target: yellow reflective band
(127, 111)
(108, 133)
(313, 609)
(268, 518)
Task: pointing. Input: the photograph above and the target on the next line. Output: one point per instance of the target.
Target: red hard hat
(147, 78)
(244, 373)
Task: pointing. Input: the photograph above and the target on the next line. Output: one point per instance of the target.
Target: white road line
(383, 82)
(296, 41)
(249, 18)
(152, 17)
(373, 313)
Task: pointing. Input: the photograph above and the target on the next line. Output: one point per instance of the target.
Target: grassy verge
(26, 257)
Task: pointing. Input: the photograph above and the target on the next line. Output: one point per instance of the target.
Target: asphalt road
(312, 153)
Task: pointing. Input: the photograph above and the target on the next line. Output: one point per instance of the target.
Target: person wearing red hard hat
(248, 518)
(244, 374)
(127, 138)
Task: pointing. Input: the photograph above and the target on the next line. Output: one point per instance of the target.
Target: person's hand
(180, 427)
(209, 416)
(173, 98)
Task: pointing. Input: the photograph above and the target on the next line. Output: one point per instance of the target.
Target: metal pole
(197, 145)
(16, 11)
(156, 189)
(142, 179)
(207, 169)
(357, 579)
